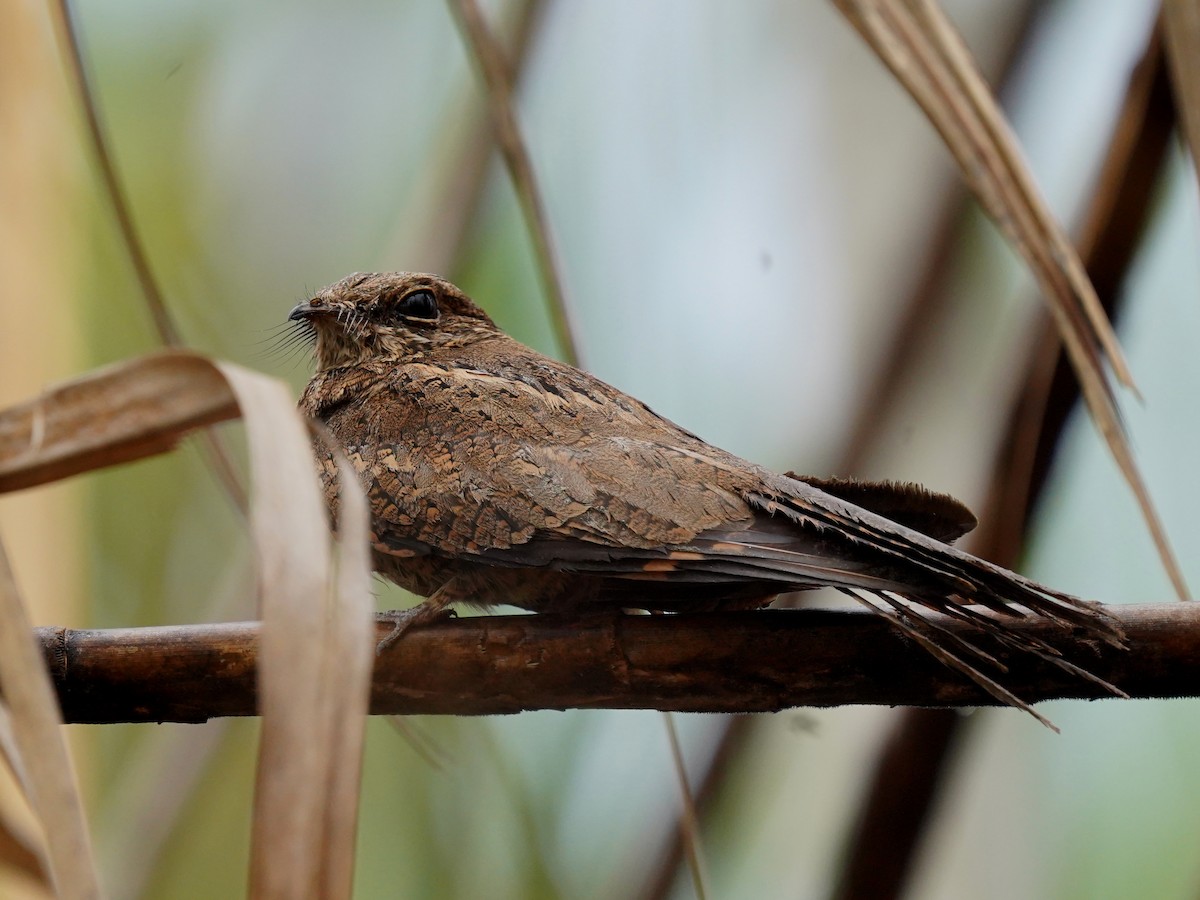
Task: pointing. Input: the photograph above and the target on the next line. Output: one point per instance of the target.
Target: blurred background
(744, 203)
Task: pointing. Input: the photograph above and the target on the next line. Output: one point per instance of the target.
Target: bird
(498, 475)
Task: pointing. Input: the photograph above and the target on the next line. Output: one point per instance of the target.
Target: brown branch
(719, 662)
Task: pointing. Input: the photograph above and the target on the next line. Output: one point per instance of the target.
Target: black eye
(418, 305)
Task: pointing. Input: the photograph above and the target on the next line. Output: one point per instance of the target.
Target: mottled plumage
(498, 475)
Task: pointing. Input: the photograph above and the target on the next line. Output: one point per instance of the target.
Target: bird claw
(403, 620)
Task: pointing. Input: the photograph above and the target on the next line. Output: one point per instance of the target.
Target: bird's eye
(418, 305)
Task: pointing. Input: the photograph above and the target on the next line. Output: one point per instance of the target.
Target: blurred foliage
(742, 198)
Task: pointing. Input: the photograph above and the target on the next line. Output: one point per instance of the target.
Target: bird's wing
(470, 461)
(566, 473)
(542, 465)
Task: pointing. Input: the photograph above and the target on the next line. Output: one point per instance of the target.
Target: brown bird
(498, 475)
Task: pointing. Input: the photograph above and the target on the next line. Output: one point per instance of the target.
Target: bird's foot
(403, 620)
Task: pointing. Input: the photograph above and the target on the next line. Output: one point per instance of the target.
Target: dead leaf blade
(920, 46)
(20, 848)
(117, 414)
(315, 648)
(310, 685)
(52, 785)
(348, 666)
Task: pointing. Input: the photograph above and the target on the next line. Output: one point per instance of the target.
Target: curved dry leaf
(294, 569)
(117, 414)
(20, 849)
(314, 655)
(917, 42)
(316, 647)
(50, 780)
(347, 667)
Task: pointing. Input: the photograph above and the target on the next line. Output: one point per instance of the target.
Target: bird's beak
(302, 311)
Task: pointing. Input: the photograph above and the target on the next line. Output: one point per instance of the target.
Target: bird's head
(390, 315)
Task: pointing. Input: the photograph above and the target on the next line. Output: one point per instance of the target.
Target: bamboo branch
(720, 662)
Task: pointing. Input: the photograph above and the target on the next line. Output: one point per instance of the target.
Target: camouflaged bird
(499, 476)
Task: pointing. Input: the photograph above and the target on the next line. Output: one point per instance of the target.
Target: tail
(933, 576)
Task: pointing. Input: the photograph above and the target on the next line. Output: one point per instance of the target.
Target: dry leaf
(317, 635)
(348, 665)
(918, 43)
(20, 848)
(117, 414)
(314, 658)
(37, 731)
